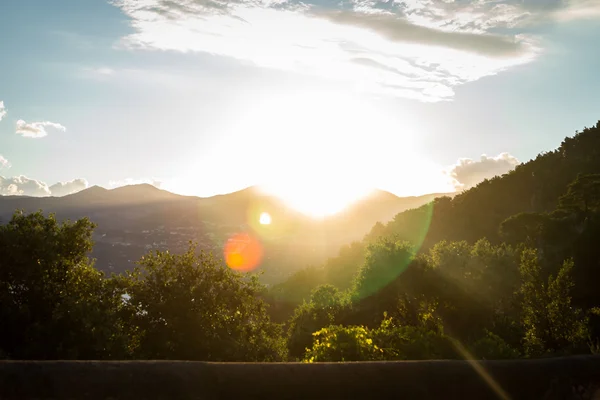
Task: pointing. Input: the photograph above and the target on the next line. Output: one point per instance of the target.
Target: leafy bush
(388, 342)
(339, 343)
(324, 308)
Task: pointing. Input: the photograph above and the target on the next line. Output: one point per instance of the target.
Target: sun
(317, 143)
(319, 150)
(315, 198)
(265, 219)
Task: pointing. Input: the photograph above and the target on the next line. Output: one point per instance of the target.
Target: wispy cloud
(482, 16)
(579, 9)
(2, 110)
(98, 72)
(37, 129)
(103, 71)
(420, 49)
(4, 163)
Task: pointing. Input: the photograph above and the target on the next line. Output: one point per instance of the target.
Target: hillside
(533, 187)
(133, 220)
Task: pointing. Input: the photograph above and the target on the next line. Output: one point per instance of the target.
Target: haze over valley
(135, 219)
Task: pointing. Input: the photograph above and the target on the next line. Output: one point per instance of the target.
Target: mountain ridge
(134, 219)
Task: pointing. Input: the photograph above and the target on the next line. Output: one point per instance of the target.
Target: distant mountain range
(133, 220)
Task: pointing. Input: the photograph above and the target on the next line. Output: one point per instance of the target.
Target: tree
(377, 231)
(472, 283)
(524, 228)
(583, 193)
(341, 270)
(385, 261)
(53, 303)
(325, 308)
(551, 323)
(191, 307)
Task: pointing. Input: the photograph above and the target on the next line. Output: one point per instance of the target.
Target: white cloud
(379, 47)
(24, 186)
(467, 173)
(4, 162)
(2, 110)
(130, 181)
(36, 129)
(69, 187)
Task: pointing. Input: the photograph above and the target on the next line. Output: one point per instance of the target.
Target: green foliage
(299, 286)
(190, 306)
(526, 228)
(53, 303)
(326, 306)
(493, 347)
(385, 260)
(339, 343)
(582, 194)
(387, 342)
(378, 231)
(472, 284)
(551, 323)
(339, 271)
(405, 342)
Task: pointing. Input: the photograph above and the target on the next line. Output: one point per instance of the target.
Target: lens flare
(268, 222)
(415, 224)
(265, 219)
(480, 370)
(243, 252)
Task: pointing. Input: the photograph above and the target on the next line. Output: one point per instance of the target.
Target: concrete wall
(556, 378)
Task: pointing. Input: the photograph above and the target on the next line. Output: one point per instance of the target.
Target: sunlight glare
(321, 146)
(265, 219)
(321, 150)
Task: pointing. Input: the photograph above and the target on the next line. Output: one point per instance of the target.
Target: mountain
(135, 219)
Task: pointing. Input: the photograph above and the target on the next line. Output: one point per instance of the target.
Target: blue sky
(206, 97)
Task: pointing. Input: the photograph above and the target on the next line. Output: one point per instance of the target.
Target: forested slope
(534, 186)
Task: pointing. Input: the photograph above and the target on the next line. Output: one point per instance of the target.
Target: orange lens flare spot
(243, 252)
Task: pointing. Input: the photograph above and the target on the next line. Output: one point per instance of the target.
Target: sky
(323, 97)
